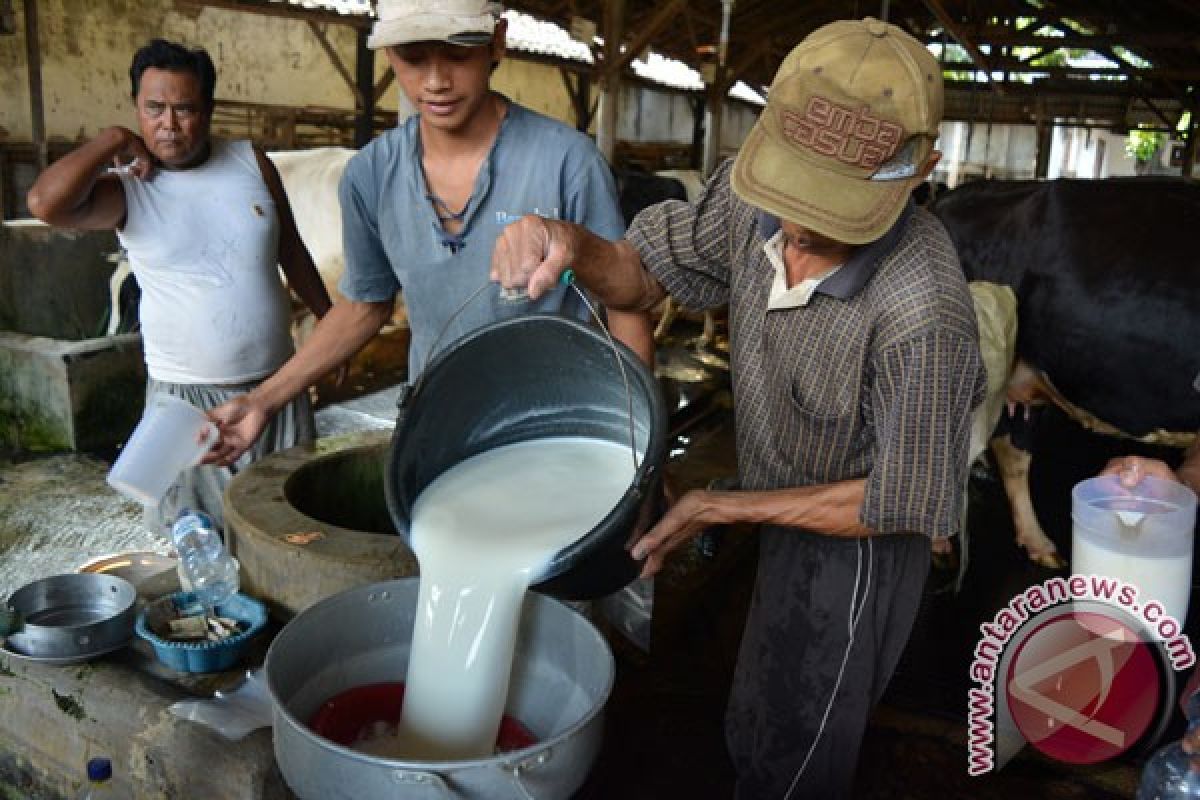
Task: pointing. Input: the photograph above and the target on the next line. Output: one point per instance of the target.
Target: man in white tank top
(205, 222)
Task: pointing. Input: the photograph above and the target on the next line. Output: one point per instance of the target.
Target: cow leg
(118, 311)
(709, 337)
(665, 321)
(942, 553)
(1013, 464)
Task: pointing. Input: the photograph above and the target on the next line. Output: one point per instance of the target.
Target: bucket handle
(514, 295)
(515, 770)
(410, 777)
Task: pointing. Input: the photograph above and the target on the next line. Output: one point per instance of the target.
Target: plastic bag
(232, 714)
(631, 611)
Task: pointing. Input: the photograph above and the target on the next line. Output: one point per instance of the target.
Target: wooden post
(713, 111)
(364, 75)
(610, 83)
(1189, 148)
(4, 210)
(697, 105)
(33, 59)
(1045, 132)
(578, 86)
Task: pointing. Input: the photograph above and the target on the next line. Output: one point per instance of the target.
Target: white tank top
(203, 243)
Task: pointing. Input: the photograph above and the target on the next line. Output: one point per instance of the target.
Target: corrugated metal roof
(742, 91)
(668, 72)
(529, 34)
(353, 8)
(532, 35)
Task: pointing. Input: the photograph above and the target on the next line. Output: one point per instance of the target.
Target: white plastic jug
(1140, 535)
(171, 436)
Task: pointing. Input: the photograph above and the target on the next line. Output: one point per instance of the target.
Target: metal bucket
(533, 377)
(561, 678)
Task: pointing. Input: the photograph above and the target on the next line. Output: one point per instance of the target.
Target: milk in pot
(482, 531)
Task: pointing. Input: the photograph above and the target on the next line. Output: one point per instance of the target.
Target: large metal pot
(533, 377)
(561, 679)
(69, 618)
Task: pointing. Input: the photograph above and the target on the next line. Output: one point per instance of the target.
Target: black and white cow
(1107, 282)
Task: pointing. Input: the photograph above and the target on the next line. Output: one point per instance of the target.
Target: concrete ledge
(290, 559)
(53, 719)
(69, 395)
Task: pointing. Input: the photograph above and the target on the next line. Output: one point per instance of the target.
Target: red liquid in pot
(343, 717)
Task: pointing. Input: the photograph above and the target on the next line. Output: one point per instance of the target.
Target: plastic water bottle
(1170, 773)
(208, 567)
(99, 785)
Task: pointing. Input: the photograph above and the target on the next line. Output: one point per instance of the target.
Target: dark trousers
(793, 646)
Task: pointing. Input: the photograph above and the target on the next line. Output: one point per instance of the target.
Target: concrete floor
(56, 513)
(664, 737)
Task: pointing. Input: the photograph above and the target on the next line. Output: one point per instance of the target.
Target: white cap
(462, 22)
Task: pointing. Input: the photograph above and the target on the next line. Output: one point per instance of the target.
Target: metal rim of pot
(291, 732)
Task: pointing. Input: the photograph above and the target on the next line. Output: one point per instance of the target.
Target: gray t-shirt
(394, 240)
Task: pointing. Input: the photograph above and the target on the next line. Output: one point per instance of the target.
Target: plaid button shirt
(875, 378)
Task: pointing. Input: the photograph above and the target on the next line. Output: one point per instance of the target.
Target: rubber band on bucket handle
(516, 295)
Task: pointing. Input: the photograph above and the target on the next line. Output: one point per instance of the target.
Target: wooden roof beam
(766, 26)
(1007, 37)
(649, 30)
(939, 12)
(734, 71)
(1186, 74)
(1186, 6)
(1158, 112)
(318, 31)
(385, 82)
(1131, 70)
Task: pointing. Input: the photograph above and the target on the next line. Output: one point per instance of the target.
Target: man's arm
(294, 258)
(1189, 470)
(636, 331)
(72, 193)
(533, 253)
(831, 509)
(681, 247)
(342, 333)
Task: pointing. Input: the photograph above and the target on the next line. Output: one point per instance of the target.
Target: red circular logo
(1083, 687)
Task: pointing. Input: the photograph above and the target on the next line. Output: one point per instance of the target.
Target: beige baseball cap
(463, 22)
(851, 118)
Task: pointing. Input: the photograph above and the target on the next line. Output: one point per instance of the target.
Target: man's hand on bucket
(532, 254)
(695, 512)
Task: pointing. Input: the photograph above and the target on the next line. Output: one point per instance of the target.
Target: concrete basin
(64, 385)
(311, 521)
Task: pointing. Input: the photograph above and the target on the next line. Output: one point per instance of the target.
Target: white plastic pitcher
(1140, 535)
(171, 436)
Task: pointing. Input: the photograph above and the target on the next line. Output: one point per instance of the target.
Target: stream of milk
(481, 532)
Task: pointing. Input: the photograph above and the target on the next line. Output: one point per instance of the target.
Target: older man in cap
(855, 368)
(422, 206)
